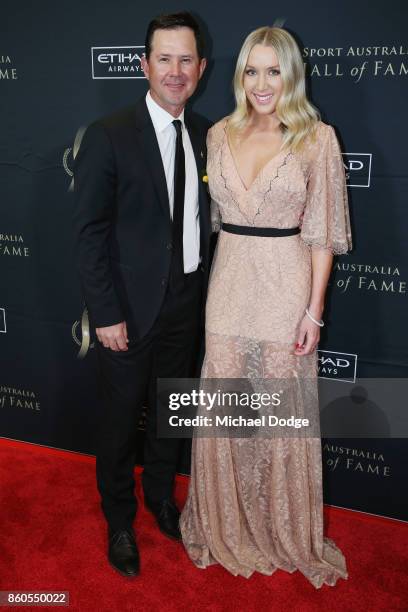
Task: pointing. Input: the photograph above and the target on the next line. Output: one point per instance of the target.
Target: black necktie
(178, 206)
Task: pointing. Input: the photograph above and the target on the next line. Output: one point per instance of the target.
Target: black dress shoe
(123, 554)
(167, 516)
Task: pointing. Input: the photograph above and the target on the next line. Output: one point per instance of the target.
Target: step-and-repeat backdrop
(62, 65)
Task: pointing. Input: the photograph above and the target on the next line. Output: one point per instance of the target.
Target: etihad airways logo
(3, 327)
(358, 169)
(337, 366)
(117, 62)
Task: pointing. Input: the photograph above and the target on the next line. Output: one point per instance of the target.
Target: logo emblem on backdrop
(358, 169)
(3, 328)
(85, 343)
(70, 154)
(337, 366)
(142, 423)
(117, 62)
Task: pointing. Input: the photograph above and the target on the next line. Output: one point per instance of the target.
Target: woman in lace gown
(256, 504)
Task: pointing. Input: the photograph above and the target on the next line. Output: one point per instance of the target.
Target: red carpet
(53, 538)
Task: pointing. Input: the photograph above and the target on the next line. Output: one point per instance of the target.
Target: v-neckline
(247, 189)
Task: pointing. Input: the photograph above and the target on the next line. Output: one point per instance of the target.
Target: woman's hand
(308, 337)
(309, 332)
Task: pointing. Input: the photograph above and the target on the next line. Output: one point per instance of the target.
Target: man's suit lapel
(150, 147)
(200, 154)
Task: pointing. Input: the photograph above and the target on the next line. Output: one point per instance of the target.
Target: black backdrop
(52, 58)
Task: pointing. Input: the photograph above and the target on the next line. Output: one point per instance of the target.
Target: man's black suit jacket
(122, 221)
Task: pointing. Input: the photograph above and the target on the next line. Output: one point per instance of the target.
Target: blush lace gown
(256, 504)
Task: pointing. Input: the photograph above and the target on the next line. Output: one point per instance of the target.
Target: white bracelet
(319, 323)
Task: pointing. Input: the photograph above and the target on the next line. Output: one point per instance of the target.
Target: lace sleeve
(326, 220)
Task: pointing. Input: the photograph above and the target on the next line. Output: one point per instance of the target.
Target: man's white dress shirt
(166, 137)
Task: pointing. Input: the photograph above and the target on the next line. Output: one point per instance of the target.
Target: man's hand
(114, 337)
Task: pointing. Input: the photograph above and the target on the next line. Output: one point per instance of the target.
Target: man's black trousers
(129, 377)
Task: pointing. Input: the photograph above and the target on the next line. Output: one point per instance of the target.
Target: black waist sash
(249, 230)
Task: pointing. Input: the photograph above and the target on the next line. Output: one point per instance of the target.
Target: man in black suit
(142, 233)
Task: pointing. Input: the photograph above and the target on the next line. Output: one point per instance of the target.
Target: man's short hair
(172, 22)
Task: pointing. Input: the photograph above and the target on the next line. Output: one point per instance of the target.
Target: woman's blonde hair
(297, 115)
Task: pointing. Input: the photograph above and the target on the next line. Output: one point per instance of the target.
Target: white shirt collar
(161, 118)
